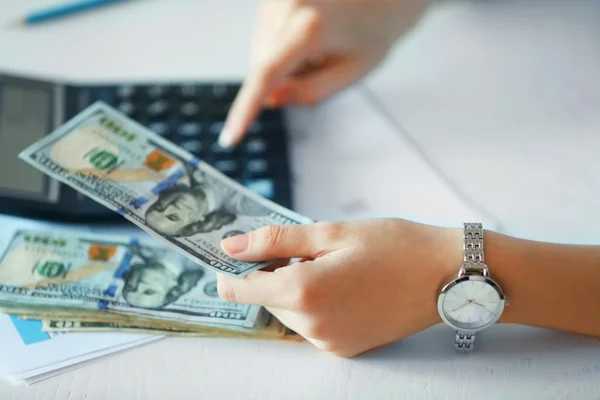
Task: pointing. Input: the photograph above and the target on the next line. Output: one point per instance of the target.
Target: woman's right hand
(304, 51)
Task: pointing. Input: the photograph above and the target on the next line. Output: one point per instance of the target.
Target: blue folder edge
(30, 330)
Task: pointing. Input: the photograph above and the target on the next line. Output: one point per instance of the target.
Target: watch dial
(471, 304)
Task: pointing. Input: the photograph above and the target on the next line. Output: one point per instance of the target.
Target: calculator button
(126, 107)
(160, 127)
(262, 187)
(125, 91)
(256, 146)
(257, 166)
(157, 91)
(189, 91)
(220, 150)
(224, 91)
(219, 90)
(193, 146)
(157, 109)
(190, 129)
(189, 110)
(196, 92)
(228, 167)
(216, 128)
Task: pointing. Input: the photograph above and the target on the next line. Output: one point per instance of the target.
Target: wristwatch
(472, 301)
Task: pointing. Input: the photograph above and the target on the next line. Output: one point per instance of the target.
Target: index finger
(257, 86)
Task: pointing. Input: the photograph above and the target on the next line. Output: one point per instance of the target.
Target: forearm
(549, 285)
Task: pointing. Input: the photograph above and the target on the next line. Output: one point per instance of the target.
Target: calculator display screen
(24, 119)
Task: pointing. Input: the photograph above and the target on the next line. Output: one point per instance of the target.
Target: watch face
(471, 303)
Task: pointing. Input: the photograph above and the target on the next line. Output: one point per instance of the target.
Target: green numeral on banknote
(103, 159)
(51, 269)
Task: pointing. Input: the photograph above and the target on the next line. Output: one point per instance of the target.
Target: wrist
(448, 258)
(553, 286)
(502, 259)
(496, 257)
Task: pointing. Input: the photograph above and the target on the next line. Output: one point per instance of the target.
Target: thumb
(284, 241)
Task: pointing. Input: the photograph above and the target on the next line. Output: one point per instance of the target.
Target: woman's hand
(306, 50)
(358, 286)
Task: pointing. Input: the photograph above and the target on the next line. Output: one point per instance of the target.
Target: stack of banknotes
(163, 283)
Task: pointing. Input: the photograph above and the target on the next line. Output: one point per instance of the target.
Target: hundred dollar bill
(156, 185)
(273, 330)
(51, 273)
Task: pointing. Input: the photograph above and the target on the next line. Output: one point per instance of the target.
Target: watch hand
(484, 307)
(461, 306)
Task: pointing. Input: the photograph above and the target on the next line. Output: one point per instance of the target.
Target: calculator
(189, 114)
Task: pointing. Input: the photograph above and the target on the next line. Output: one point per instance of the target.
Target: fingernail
(227, 134)
(225, 139)
(235, 244)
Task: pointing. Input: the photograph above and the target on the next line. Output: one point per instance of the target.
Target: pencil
(62, 11)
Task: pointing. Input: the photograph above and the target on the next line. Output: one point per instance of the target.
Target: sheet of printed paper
(25, 347)
(48, 371)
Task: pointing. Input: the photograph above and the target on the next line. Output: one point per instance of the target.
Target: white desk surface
(486, 111)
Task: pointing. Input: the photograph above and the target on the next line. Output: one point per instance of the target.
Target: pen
(63, 10)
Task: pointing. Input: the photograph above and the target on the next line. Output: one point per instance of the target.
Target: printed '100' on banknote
(157, 185)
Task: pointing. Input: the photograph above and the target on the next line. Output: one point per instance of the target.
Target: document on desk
(28, 352)
(158, 186)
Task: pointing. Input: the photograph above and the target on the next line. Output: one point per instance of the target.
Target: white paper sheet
(39, 374)
(22, 353)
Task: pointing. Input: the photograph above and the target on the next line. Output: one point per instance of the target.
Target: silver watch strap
(464, 341)
(473, 248)
(474, 263)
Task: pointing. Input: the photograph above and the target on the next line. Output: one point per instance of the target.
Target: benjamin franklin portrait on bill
(203, 205)
(155, 282)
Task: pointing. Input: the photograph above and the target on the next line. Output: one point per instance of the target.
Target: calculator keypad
(192, 116)
(190, 129)
(160, 127)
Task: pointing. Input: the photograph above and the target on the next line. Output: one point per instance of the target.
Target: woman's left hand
(359, 285)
